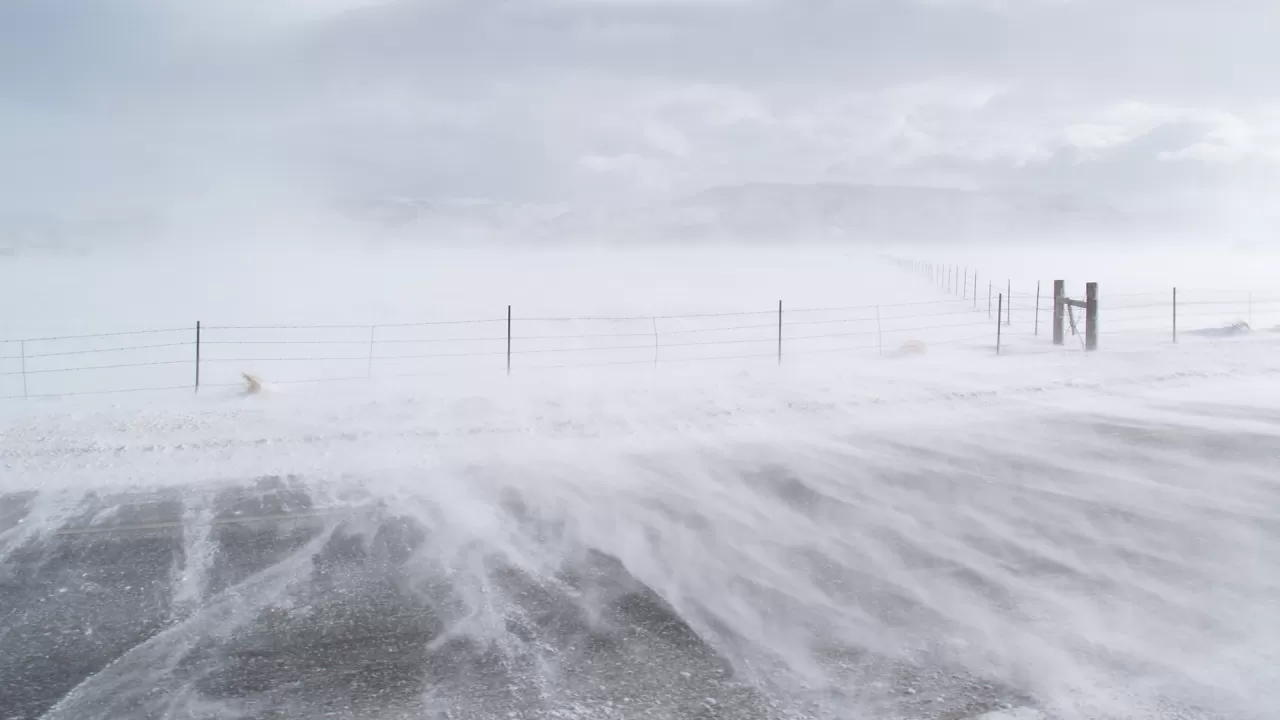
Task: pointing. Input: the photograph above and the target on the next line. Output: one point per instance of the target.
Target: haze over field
(681, 359)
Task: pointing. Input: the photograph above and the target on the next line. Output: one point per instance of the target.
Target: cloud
(163, 101)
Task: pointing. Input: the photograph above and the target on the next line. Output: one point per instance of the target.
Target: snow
(1044, 534)
(1016, 714)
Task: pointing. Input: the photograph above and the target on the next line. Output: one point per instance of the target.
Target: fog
(638, 358)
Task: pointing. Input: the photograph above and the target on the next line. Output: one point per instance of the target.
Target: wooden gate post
(1059, 307)
(1091, 316)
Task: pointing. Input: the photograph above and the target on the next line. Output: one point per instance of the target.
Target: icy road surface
(949, 537)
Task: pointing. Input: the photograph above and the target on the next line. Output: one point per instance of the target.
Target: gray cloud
(163, 101)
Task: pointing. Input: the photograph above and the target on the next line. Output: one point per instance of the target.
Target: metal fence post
(368, 370)
(879, 333)
(1037, 308)
(655, 342)
(22, 349)
(1175, 314)
(1009, 312)
(779, 332)
(999, 307)
(975, 289)
(197, 356)
(508, 339)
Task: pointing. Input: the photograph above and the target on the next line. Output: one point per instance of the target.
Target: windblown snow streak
(755, 549)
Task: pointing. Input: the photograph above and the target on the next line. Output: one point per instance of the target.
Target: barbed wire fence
(212, 355)
(982, 313)
(1152, 317)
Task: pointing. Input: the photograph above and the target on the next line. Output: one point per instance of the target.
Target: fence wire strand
(97, 367)
(125, 333)
(1136, 314)
(110, 350)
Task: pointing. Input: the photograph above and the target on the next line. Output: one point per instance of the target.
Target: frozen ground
(1047, 534)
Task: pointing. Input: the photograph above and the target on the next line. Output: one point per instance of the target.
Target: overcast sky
(130, 102)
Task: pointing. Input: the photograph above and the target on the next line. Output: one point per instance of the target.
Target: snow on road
(1091, 535)
(946, 536)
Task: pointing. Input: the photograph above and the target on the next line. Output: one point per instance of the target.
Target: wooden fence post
(1091, 316)
(1059, 307)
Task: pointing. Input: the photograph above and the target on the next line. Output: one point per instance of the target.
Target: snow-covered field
(852, 534)
(106, 323)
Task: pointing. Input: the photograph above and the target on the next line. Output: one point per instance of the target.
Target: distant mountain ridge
(777, 211)
(760, 212)
(754, 213)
